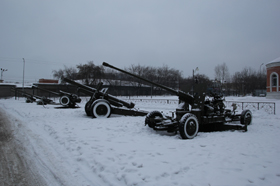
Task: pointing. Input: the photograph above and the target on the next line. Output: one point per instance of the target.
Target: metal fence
(268, 107)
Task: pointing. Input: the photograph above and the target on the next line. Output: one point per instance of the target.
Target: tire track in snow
(14, 169)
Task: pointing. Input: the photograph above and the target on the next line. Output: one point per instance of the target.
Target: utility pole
(23, 74)
(3, 70)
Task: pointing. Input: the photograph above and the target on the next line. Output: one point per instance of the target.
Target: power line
(34, 61)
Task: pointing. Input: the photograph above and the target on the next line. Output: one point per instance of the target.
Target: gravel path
(14, 169)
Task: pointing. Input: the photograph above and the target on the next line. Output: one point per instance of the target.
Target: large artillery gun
(102, 105)
(41, 100)
(66, 99)
(194, 113)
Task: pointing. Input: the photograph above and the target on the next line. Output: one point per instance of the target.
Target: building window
(274, 80)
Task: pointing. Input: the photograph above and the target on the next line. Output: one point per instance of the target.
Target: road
(14, 167)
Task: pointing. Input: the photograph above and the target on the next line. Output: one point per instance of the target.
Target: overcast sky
(182, 34)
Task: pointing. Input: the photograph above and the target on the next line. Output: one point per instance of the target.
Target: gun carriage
(66, 99)
(194, 113)
(102, 105)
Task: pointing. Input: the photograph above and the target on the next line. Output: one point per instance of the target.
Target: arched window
(274, 80)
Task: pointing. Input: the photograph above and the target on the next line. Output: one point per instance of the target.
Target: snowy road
(69, 148)
(14, 169)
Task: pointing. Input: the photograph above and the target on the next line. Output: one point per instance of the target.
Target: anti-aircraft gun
(102, 104)
(31, 98)
(66, 99)
(194, 113)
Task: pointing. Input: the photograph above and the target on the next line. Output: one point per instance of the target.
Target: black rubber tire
(150, 116)
(246, 117)
(64, 100)
(87, 109)
(188, 126)
(101, 108)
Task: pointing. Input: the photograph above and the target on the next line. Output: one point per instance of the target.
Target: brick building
(273, 73)
(48, 81)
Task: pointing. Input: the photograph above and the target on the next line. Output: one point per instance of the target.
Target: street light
(260, 67)
(3, 70)
(194, 70)
(23, 74)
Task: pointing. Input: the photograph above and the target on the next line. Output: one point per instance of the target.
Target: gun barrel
(47, 90)
(84, 91)
(22, 92)
(148, 81)
(182, 95)
(79, 85)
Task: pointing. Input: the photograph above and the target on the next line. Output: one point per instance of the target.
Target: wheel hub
(101, 110)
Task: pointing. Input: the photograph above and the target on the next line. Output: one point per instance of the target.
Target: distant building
(273, 73)
(48, 81)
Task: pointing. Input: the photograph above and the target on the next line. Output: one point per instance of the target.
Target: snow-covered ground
(69, 148)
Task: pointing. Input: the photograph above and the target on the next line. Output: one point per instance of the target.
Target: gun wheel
(246, 117)
(88, 108)
(188, 126)
(152, 117)
(100, 109)
(64, 100)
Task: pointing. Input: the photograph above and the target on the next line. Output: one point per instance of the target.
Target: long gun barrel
(113, 100)
(25, 94)
(88, 88)
(182, 95)
(46, 90)
(34, 97)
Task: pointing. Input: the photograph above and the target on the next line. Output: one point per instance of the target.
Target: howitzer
(102, 104)
(31, 98)
(204, 115)
(66, 99)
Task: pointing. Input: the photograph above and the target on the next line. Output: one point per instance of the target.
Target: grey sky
(182, 34)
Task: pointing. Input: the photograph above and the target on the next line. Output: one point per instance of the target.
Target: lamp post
(260, 67)
(194, 70)
(23, 74)
(260, 76)
(3, 70)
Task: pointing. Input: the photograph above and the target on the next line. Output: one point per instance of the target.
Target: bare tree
(248, 80)
(58, 73)
(90, 73)
(222, 73)
(67, 72)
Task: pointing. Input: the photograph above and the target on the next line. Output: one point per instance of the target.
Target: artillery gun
(102, 105)
(66, 99)
(31, 98)
(194, 113)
